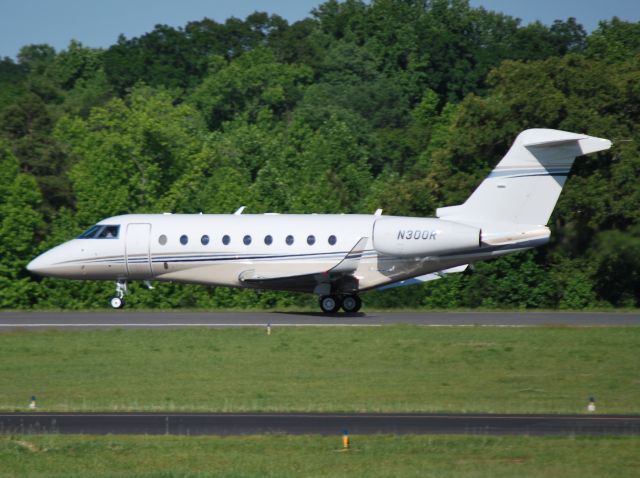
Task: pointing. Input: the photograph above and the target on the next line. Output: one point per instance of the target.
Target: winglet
(239, 211)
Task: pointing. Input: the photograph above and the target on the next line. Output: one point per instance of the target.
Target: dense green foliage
(403, 105)
(78, 456)
(365, 369)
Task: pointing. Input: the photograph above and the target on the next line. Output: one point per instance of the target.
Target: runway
(315, 423)
(127, 319)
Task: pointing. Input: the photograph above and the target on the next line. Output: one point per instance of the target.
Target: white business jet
(335, 256)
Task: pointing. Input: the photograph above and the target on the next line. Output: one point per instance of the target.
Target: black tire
(351, 303)
(330, 304)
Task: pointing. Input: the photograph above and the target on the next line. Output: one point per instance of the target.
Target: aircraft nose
(62, 261)
(41, 265)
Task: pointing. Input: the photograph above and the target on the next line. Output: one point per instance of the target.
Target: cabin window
(226, 240)
(247, 240)
(332, 240)
(311, 240)
(289, 240)
(162, 240)
(268, 240)
(100, 232)
(204, 240)
(184, 239)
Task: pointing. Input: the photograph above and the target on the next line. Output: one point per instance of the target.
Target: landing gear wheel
(351, 303)
(329, 304)
(117, 303)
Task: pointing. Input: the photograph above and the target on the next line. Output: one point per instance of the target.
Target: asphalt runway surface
(315, 424)
(126, 319)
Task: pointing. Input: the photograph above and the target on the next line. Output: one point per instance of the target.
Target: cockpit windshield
(100, 231)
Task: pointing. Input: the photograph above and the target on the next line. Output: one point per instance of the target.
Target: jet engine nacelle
(412, 236)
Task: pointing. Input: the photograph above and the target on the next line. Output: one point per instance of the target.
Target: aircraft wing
(424, 278)
(340, 273)
(349, 264)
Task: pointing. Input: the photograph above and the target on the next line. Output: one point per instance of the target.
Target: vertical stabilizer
(525, 185)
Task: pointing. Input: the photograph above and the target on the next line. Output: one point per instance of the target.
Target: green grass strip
(397, 368)
(283, 456)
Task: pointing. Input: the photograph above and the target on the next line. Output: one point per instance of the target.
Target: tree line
(403, 105)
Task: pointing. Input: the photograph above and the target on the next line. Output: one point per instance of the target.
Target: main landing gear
(330, 304)
(117, 302)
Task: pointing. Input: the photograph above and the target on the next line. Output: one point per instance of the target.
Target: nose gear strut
(117, 302)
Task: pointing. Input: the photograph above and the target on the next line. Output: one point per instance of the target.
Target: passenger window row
(226, 240)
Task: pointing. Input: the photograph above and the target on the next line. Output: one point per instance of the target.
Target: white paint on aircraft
(335, 256)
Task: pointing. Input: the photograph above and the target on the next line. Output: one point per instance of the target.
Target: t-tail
(514, 203)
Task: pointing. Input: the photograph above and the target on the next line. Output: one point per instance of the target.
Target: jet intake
(411, 236)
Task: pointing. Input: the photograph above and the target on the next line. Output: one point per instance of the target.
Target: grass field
(398, 368)
(370, 456)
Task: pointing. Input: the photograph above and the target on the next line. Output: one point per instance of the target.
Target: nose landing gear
(117, 302)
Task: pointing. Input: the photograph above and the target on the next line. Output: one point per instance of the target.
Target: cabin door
(136, 251)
